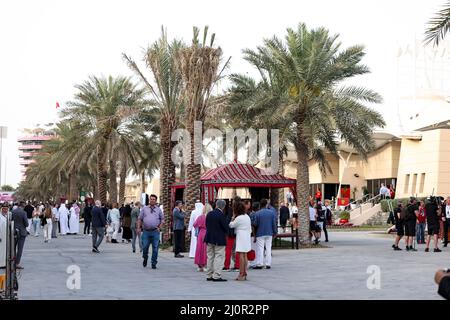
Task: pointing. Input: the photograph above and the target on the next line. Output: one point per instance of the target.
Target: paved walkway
(339, 272)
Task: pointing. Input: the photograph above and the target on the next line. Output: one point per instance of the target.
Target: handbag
(251, 255)
(197, 231)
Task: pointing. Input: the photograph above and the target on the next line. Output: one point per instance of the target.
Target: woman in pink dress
(200, 226)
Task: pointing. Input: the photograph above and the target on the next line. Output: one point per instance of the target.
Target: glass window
(405, 190)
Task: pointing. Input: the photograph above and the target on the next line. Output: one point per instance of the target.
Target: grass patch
(286, 244)
(358, 228)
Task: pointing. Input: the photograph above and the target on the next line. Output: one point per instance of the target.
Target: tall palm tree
(165, 85)
(199, 65)
(439, 26)
(104, 107)
(251, 104)
(309, 69)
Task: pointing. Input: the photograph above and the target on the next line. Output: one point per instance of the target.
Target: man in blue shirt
(266, 227)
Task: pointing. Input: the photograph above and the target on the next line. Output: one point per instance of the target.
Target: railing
(361, 201)
(374, 200)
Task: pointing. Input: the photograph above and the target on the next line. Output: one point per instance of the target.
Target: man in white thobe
(63, 219)
(197, 212)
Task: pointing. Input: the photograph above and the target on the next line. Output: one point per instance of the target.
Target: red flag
(57, 105)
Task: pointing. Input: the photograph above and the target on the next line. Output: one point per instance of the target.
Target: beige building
(416, 164)
(133, 189)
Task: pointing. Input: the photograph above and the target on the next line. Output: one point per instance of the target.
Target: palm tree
(199, 66)
(251, 104)
(438, 26)
(165, 86)
(308, 70)
(104, 107)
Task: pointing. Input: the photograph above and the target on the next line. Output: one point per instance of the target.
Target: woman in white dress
(197, 212)
(63, 219)
(114, 218)
(74, 223)
(242, 228)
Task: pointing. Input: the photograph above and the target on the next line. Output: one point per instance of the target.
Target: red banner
(343, 202)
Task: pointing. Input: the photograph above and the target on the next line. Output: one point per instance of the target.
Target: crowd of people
(62, 219)
(228, 235)
(411, 221)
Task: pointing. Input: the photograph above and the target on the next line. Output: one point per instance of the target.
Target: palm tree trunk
(167, 172)
(302, 183)
(73, 194)
(193, 175)
(143, 184)
(102, 174)
(123, 176)
(95, 191)
(182, 172)
(281, 171)
(113, 177)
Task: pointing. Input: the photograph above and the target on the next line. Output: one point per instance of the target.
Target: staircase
(368, 212)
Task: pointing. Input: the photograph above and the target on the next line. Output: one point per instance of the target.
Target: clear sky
(49, 46)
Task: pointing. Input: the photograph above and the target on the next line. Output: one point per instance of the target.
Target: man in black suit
(20, 223)
(216, 232)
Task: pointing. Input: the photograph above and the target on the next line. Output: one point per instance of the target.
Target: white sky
(49, 46)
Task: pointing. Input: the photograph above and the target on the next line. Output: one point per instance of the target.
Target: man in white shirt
(446, 214)
(384, 192)
(314, 229)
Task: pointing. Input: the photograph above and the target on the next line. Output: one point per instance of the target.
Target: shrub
(395, 202)
(344, 215)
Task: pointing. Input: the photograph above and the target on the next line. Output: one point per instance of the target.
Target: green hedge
(395, 202)
(345, 215)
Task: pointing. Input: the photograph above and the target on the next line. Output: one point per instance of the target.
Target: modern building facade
(416, 164)
(31, 144)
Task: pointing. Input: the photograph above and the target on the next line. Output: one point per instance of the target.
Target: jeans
(87, 226)
(97, 232)
(133, 241)
(261, 259)
(36, 226)
(153, 238)
(420, 232)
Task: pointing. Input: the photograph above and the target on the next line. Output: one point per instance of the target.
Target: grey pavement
(336, 272)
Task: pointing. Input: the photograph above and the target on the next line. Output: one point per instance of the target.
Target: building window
(414, 183)
(406, 184)
(422, 182)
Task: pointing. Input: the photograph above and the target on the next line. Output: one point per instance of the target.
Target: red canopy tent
(236, 175)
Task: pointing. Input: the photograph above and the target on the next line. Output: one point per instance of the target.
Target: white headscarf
(198, 211)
